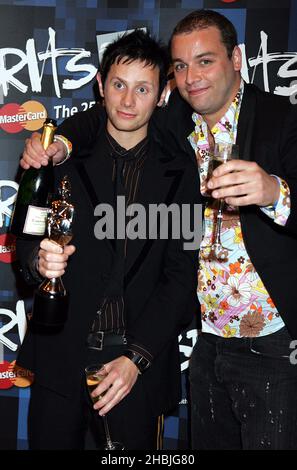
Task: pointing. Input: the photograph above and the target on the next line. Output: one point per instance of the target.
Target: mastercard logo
(15, 118)
(7, 248)
(13, 375)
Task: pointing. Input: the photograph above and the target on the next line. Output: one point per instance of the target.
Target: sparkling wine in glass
(223, 152)
(96, 373)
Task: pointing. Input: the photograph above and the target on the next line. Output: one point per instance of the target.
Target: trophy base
(49, 310)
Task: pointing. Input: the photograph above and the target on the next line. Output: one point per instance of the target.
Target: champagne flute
(96, 373)
(223, 152)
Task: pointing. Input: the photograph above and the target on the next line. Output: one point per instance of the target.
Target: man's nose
(193, 75)
(128, 99)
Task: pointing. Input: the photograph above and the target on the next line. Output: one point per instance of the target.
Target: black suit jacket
(160, 279)
(267, 134)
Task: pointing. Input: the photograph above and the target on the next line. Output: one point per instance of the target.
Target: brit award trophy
(50, 304)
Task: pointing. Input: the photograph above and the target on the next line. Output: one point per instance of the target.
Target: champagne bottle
(36, 185)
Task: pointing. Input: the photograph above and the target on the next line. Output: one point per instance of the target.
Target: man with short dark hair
(129, 297)
(243, 385)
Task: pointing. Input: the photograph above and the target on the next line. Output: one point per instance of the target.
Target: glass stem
(109, 444)
(219, 223)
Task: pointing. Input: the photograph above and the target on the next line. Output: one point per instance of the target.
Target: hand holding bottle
(34, 193)
(34, 155)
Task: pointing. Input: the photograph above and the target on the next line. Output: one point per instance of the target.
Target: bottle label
(35, 223)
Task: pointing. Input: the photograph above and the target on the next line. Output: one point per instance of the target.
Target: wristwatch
(141, 362)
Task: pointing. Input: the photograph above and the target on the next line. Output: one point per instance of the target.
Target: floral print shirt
(234, 301)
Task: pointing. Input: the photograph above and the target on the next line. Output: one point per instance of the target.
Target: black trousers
(58, 422)
(243, 393)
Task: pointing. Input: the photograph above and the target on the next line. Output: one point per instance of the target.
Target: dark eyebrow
(144, 82)
(198, 56)
(139, 82)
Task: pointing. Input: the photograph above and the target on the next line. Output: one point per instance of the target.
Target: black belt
(98, 340)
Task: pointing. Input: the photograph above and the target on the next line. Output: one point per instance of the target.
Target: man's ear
(100, 84)
(161, 101)
(237, 58)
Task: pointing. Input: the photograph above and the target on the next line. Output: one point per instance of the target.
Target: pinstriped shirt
(127, 167)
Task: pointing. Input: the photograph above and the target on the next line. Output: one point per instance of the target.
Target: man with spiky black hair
(129, 298)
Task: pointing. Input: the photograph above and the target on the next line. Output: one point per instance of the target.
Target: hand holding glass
(96, 373)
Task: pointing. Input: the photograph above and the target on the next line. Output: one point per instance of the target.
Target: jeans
(243, 393)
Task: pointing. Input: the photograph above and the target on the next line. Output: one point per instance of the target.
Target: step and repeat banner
(48, 62)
